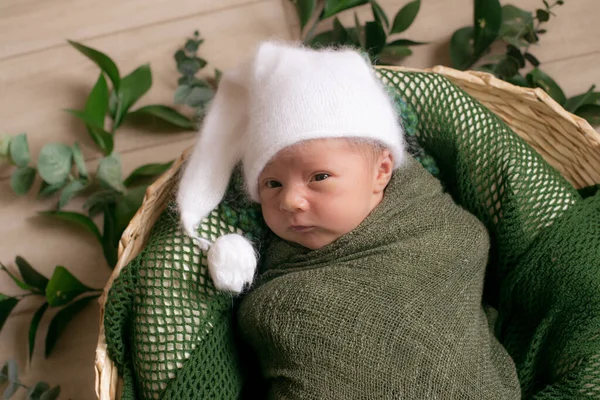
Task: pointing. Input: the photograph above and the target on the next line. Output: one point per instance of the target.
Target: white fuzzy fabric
(231, 263)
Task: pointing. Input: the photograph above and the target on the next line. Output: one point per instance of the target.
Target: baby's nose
(293, 199)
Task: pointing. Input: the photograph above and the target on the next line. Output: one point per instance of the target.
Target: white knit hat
(286, 94)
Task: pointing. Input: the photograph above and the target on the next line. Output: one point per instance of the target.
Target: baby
(371, 285)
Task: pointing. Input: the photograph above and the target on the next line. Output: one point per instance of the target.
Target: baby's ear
(384, 168)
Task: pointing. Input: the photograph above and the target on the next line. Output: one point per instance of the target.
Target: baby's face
(314, 193)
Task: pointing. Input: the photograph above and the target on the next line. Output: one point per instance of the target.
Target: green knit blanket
(172, 336)
(390, 310)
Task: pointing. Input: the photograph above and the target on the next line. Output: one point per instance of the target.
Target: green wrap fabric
(391, 310)
(543, 275)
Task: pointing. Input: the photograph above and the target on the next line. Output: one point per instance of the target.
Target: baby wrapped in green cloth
(371, 286)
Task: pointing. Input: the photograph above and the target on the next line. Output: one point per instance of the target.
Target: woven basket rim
(107, 380)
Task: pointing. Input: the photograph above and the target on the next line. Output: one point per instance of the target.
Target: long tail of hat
(218, 149)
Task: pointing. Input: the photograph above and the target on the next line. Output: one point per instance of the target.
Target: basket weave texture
(565, 141)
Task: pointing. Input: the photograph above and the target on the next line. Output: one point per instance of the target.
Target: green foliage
(63, 173)
(370, 37)
(518, 29)
(195, 92)
(9, 378)
(61, 290)
(62, 168)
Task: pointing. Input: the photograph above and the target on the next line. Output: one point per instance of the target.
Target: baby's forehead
(323, 153)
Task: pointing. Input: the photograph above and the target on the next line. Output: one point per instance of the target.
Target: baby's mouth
(301, 228)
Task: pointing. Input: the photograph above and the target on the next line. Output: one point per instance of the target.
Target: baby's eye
(272, 184)
(321, 177)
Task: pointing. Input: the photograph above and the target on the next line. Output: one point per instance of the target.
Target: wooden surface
(40, 75)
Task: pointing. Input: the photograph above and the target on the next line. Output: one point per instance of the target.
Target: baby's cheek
(270, 217)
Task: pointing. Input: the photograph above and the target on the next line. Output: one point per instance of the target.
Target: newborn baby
(371, 285)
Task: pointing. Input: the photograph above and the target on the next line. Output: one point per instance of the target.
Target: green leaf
(51, 394)
(359, 31)
(71, 190)
(167, 114)
(54, 162)
(36, 391)
(113, 103)
(395, 52)
(333, 7)
(47, 190)
(96, 105)
(182, 92)
(353, 39)
(340, 35)
(323, 39)
(218, 75)
(146, 171)
(538, 78)
(189, 66)
(375, 38)
(11, 370)
(32, 277)
(109, 172)
(133, 87)
(406, 16)
(96, 202)
(35, 322)
(531, 58)
(305, 9)
(110, 235)
(531, 37)
(4, 147)
(126, 208)
(379, 14)
(405, 42)
(15, 279)
(88, 119)
(19, 150)
(589, 97)
(103, 139)
(461, 48)
(489, 68)
(76, 218)
(10, 390)
(63, 287)
(179, 56)
(6, 306)
(62, 319)
(515, 23)
(542, 15)
(591, 113)
(102, 60)
(22, 179)
(515, 53)
(79, 161)
(488, 18)
(507, 67)
(193, 96)
(192, 45)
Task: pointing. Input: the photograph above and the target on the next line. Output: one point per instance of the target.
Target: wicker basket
(566, 142)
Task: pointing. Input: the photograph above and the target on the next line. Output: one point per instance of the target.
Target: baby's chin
(311, 240)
